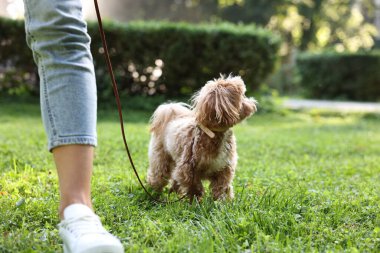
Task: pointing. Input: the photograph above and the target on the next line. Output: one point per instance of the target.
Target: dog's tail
(165, 113)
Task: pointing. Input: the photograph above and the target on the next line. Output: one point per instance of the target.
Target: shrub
(18, 74)
(352, 76)
(152, 58)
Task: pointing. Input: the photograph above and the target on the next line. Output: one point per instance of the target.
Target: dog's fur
(179, 147)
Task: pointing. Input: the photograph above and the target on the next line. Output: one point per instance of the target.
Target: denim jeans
(57, 34)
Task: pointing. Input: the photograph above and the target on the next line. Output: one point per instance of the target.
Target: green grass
(305, 183)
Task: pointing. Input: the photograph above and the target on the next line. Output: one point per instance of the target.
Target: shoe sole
(99, 249)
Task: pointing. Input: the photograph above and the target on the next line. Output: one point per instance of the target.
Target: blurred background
(321, 49)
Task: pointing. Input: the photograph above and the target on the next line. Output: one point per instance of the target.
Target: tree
(250, 11)
(304, 24)
(171, 10)
(310, 24)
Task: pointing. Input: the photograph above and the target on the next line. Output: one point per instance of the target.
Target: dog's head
(221, 103)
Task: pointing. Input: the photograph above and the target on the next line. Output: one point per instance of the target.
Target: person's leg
(74, 165)
(57, 35)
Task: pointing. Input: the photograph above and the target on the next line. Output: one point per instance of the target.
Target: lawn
(305, 183)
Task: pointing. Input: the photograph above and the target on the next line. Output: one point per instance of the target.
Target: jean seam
(47, 101)
(43, 78)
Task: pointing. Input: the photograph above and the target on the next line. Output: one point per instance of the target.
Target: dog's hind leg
(159, 167)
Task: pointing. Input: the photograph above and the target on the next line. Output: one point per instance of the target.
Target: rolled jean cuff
(72, 140)
(57, 34)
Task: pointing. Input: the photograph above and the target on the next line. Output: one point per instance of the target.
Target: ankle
(65, 203)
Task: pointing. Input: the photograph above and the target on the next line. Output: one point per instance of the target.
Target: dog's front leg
(221, 184)
(186, 182)
(196, 190)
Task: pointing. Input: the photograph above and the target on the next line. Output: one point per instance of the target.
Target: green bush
(18, 74)
(349, 76)
(151, 58)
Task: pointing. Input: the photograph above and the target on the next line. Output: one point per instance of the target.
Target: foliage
(162, 58)
(345, 28)
(187, 55)
(250, 11)
(306, 24)
(18, 74)
(170, 10)
(303, 184)
(353, 76)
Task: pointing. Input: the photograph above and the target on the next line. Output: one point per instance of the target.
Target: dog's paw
(174, 188)
(195, 192)
(224, 194)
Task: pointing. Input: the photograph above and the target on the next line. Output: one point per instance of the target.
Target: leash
(117, 97)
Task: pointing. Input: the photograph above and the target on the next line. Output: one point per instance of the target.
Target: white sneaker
(82, 232)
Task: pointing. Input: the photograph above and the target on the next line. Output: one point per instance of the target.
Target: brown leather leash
(117, 97)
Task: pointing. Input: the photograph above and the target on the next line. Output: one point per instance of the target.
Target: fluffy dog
(191, 144)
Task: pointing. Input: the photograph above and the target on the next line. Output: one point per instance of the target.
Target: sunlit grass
(304, 183)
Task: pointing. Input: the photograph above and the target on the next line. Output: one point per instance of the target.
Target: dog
(193, 143)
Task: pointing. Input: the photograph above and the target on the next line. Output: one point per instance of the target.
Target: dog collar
(210, 132)
(207, 131)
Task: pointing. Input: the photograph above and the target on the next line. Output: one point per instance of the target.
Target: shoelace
(83, 226)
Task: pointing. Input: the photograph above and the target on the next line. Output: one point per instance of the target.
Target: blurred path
(297, 104)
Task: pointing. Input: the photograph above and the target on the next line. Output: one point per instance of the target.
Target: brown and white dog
(191, 144)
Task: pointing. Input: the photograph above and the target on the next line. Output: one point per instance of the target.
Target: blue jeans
(57, 34)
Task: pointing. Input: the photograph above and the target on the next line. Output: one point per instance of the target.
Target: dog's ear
(238, 82)
(248, 108)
